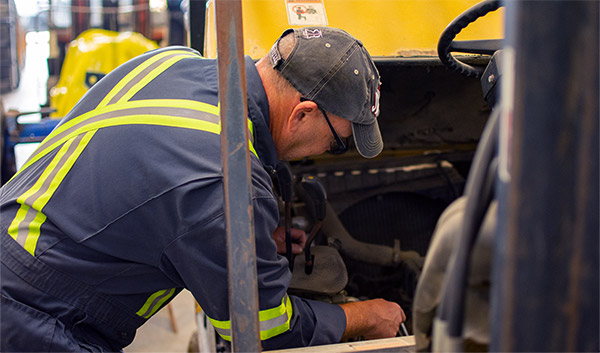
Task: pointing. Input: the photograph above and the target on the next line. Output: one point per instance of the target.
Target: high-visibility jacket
(122, 206)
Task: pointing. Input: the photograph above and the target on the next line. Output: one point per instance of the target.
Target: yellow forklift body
(387, 28)
(93, 54)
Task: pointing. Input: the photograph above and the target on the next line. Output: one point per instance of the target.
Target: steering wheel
(447, 44)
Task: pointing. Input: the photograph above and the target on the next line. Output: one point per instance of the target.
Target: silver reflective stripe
(23, 230)
(178, 112)
(140, 76)
(223, 331)
(274, 322)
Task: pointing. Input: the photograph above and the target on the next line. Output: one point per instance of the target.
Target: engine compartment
(382, 212)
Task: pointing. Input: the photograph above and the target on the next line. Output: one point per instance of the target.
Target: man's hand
(298, 240)
(372, 319)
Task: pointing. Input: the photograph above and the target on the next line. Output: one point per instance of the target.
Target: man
(121, 207)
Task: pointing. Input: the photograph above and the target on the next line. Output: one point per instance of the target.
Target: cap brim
(367, 139)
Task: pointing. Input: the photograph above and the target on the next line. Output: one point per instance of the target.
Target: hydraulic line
(479, 192)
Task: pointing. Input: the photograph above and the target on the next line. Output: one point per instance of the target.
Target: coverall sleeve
(199, 258)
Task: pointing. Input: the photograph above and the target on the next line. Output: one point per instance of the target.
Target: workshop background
(439, 110)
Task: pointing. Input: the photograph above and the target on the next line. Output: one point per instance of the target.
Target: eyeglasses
(339, 146)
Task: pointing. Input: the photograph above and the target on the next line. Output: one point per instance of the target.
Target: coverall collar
(258, 111)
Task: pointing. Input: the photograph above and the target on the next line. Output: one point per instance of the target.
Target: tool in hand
(284, 178)
(316, 198)
(403, 331)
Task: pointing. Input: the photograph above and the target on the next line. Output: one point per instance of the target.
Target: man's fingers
(298, 240)
(297, 249)
(298, 237)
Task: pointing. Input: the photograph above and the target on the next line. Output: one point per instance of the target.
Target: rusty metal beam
(141, 18)
(80, 16)
(243, 291)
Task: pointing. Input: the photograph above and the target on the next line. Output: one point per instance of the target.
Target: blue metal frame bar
(545, 284)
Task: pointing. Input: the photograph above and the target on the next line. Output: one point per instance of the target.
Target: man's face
(313, 135)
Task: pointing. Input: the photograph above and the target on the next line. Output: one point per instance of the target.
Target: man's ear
(301, 113)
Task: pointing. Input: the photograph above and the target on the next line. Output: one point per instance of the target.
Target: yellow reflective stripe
(154, 302)
(251, 138)
(152, 75)
(13, 229)
(275, 321)
(272, 321)
(251, 147)
(149, 103)
(160, 120)
(16, 225)
(25, 227)
(226, 325)
(66, 130)
(269, 314)
(34, 232)
(140, 70)
(47, 172)
(278, 324)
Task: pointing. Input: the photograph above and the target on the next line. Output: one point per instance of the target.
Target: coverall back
(121, 207)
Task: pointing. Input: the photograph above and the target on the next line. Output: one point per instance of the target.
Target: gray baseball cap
(333, 69)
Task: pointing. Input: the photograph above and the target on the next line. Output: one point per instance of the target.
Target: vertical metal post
(110, 15)
(243, 291)
(545, 281)
(176, 26)
(80, 16)
(141, 18)
(197, 20)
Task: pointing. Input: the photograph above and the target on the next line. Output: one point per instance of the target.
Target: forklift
(511, 127)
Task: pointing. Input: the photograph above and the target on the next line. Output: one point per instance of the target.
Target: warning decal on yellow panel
(306, 13)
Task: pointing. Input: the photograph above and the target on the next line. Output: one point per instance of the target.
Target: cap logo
(375, 107)
(309, 33)
(275, 56)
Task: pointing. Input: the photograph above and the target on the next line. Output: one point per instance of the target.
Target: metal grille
(380, 219)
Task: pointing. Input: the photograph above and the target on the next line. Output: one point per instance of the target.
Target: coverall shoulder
(121, 207)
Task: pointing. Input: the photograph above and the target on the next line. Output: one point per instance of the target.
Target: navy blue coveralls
(121, 207)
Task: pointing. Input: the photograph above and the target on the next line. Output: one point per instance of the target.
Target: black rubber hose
(479, 191)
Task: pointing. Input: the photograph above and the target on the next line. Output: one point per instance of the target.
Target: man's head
(329, 74)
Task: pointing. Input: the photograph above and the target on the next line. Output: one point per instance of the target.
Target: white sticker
(506, 114)
(306, 12)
